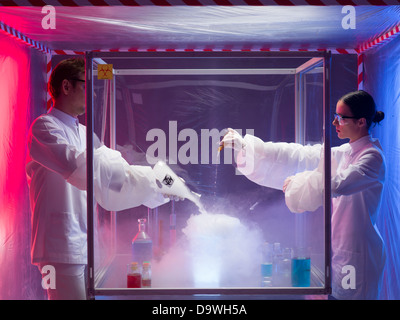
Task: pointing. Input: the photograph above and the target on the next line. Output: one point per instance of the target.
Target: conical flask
(170, 184)
(142, 246)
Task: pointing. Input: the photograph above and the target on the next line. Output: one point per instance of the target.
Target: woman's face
(347, 128)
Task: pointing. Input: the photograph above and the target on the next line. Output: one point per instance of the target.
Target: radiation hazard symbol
(104, 71)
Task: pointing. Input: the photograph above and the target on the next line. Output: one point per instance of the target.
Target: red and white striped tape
(22, 38)
(76, 3)
(360, 71)
(382, 39)
(48, 73)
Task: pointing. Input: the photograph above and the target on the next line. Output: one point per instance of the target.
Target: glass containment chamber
(175, 107)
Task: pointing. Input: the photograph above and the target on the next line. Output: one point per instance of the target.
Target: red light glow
(14, 106)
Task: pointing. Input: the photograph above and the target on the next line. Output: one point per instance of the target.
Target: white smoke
(216, 250)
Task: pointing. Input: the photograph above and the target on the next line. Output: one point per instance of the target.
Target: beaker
(301, 267)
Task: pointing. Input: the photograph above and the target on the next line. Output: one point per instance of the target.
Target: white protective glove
(232, 139)
(172, 197)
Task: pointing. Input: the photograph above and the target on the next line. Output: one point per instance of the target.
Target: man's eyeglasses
(341, 119)
(76, 79)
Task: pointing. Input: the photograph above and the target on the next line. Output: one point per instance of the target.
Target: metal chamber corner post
(89, 173)
(300, 124)
(327, 169)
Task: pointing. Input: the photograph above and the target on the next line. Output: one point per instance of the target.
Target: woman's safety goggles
(342, 119)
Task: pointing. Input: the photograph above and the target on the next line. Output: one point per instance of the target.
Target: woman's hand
(232, 139)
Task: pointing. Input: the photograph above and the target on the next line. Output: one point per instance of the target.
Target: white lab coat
(56, 173)
(358, 173)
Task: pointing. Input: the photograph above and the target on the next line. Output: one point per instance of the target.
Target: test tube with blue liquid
(266, 265)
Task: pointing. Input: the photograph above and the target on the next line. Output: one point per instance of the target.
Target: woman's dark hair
(362, 105)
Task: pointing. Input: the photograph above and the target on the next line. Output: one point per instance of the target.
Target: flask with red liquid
(134, 276)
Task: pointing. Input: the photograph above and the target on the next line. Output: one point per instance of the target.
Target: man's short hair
(67, 69)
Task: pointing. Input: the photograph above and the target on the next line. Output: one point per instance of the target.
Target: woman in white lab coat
(358, 173)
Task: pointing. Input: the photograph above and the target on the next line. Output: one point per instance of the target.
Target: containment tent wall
(382, 71)
(22, 99)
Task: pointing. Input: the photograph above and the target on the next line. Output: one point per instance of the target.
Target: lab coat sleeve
(118, 185)
(270, 163)
(367, 171)
(47, 146)
(305, 191)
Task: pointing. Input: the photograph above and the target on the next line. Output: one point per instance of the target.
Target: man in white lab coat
(56, 172)
(358, 173)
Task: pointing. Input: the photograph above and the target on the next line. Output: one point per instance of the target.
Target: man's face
(75, 96)
(79, 95)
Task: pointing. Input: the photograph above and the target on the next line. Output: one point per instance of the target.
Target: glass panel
(309, 230)
(176, 110)
(104, 220)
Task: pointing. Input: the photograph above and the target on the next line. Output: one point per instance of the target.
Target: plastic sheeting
(19, 94)
(382, 70)
(181, 27)
(200, 101)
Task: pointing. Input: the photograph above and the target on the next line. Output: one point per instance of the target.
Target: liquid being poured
(196, 200)
(217, 162)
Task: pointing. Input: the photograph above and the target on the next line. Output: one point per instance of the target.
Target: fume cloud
(216, 250)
